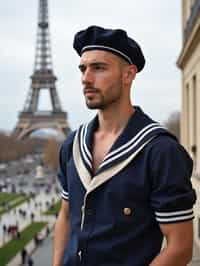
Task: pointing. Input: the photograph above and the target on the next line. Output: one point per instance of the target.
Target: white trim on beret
(107, 48)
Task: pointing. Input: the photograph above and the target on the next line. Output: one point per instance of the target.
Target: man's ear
(130, 73)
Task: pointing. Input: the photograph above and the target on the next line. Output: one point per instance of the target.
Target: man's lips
(90, 91)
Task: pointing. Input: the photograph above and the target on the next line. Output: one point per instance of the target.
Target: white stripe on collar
(80, 166)
(84, 152)
(84, 144)
(130, 141)
(108, 49)
(91, 184)
(107, 161)
(113, 170)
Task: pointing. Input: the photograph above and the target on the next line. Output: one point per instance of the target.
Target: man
(126, 179)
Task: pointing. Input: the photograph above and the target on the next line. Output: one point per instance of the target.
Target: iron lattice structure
(43, 78)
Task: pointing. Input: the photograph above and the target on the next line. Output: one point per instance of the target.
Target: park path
(36, 206)
(44, 254)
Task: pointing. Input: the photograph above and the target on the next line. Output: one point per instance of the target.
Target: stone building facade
(189, 63)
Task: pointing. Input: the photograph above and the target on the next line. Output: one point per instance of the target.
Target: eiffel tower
(43, 78)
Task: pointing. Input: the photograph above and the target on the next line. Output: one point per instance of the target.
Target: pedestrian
(36, 240)
(47, 204)
(47, 231)
(4, 229)
(32, 216)
(125, 178)
(20, 212)
(30, 261)
(24, 256)
(18, 234)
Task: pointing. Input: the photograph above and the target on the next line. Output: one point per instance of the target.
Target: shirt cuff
(65, 195)
(175, 216)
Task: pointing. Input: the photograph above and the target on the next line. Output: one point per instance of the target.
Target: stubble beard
(102, 102)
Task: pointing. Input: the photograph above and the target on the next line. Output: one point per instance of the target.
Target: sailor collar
(139, 131)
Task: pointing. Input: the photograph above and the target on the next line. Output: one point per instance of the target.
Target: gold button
(127, 211)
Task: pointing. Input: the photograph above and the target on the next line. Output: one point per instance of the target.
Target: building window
(187, 117)
(199, 227)
(188, 10)
(190, 4)
(194, 116)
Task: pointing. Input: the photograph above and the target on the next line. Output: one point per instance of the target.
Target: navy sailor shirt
(143, 181)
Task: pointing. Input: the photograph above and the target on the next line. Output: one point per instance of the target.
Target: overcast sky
(155, 24)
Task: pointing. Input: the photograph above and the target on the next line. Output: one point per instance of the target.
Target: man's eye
(99, 67)
(82, 70)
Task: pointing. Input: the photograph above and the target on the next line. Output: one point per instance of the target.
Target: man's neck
(113, 121)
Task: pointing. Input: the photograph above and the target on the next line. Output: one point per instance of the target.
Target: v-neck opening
(115, 143)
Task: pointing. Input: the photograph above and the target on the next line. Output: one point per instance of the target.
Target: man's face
(101, 78)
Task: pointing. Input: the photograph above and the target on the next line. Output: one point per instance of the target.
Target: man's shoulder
(66, 147)
(165, 140)
(167, 146)
(69, 140)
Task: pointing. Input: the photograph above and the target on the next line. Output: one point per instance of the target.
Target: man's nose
(87, 77)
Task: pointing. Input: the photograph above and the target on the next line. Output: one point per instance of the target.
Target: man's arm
(61, 233)
(178, 251)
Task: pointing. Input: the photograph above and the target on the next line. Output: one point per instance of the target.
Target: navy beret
(115, 41)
